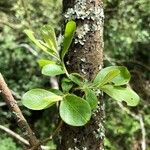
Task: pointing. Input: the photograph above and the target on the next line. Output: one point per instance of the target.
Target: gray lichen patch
(81, 34)
(85, 10)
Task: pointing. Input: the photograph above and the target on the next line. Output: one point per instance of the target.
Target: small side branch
(19, 138)
(12, 104)
(143, 142)
(14, 135)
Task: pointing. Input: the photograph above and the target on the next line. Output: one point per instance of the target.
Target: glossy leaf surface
(74, 110)
(37, 99)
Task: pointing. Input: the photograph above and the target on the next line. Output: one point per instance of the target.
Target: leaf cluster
(74, 110)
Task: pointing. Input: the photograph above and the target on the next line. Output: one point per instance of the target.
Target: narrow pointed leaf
(91, 98)
(74, 110)
(121, 79)
(52, 70)
(49, 37)
(122, 94)
(43, 46)
(37, 99)
(68, 36)
(30, 34)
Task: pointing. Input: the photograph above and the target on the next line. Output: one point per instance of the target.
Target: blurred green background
(127, 42)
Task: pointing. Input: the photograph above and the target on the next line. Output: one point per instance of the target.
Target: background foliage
(127, 36)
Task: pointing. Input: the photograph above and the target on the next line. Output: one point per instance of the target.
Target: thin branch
(12, 104)
(2, 104)
(18, 137)
(143, 142)
(14, 135)
(29, 48)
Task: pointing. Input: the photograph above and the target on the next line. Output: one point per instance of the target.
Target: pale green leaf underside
(68, 36)
(37, 99)
(74, 110)
(122, 94)
(117, 79)
(52, 70)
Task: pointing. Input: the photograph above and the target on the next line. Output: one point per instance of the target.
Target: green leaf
(74, 110)
(37, 99)
(76, 78)
(39, 43)
(91, 98)
(43, 62)
(110, 74)
(66, 84)
(49, 37)
(122, 94)
(52, 70)
(30, 34)
(109, 77)
(68, 36)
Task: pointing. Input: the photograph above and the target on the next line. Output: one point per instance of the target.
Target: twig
(2, 104)
(14, 135)
(29, 48)
(54, 83)
(50, 137)
(18, 137)
(12, 104)
(143, 142)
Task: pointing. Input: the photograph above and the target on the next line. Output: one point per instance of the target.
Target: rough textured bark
(85, 57)
(12, 104)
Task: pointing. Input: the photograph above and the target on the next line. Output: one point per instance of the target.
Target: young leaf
(37, 99)
(121, 79)
(66, 84)
(39, 43)
(30, 34)
(43, 62)
(52, 70)
(76, 78)
(122, 94)
(74, 110)
(91, 98)
(68, 36)
(49, 37)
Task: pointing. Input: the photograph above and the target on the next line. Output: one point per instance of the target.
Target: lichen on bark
(86, 58)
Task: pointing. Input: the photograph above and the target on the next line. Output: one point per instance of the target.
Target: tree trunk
(85, 57)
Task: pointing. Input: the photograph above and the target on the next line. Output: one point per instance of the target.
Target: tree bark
(86, 58)
(12, 104)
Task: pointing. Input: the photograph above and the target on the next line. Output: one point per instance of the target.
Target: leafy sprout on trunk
(75, 110)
